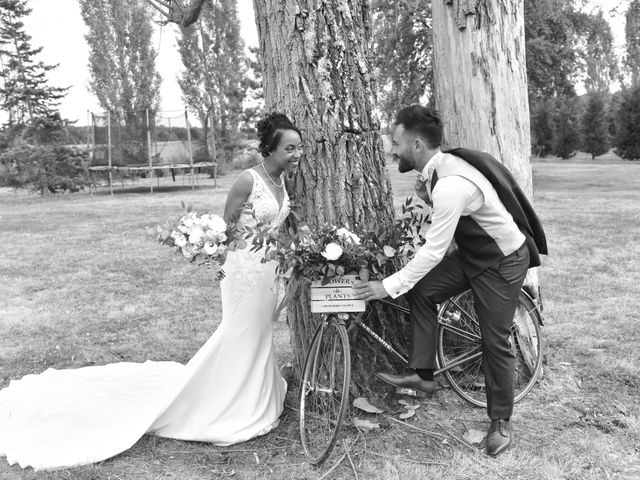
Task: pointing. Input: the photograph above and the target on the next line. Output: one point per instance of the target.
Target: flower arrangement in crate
(203, 238)
(370, 251)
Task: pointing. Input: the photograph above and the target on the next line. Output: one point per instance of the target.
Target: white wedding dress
(230, 391)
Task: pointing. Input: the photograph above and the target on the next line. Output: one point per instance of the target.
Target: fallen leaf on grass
(407, 414)
(366, 425)
(363, 404)
(473, 436)
(410, 409)
(410, 406)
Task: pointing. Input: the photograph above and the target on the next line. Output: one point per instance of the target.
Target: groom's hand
(369, 291)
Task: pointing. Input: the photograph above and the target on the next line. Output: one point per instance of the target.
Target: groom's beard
(404, 165)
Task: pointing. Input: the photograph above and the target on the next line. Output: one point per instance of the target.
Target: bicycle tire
(324, 390)
(459, 341)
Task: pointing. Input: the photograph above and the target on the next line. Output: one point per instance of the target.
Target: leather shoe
(499, 437)
(410, 381)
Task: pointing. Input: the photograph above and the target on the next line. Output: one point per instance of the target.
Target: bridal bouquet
(201, 238)
(371, 251)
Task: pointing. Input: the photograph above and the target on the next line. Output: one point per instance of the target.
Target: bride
(230, 391)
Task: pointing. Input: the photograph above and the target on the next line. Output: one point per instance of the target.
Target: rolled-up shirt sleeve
(450, 197)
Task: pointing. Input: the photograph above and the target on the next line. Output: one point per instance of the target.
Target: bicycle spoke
(471, 355)
(471, 337)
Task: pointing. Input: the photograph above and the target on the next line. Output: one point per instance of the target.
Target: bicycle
(324, 388)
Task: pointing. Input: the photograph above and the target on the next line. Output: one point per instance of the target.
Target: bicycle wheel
(324, 390)
(460, 347)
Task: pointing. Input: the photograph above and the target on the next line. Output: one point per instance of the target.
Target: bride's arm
(238, 196)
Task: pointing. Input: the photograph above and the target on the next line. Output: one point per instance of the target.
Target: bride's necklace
(271, 179)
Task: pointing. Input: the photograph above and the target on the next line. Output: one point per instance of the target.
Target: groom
(477, 203)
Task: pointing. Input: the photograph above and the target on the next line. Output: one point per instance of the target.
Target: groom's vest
(498, 226)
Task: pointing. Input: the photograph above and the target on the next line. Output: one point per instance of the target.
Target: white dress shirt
(452, 197)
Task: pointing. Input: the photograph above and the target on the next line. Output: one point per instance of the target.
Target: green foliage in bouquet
(370, 251)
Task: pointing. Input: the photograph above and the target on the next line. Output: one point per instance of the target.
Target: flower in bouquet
(390, 252)
(178, 238)
(332, 251)
(201, 238)
(306, 237)
(346, 235)
(327, 251)
(323, 252)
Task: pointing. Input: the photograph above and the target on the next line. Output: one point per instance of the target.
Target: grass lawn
(82, 284)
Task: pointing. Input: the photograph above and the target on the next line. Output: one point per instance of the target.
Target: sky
(57, 26)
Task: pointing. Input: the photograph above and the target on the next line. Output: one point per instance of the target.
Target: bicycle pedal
(410, 392)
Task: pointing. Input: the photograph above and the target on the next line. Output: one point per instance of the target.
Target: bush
(46, 168)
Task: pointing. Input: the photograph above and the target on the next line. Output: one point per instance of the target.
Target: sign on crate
(335, 296)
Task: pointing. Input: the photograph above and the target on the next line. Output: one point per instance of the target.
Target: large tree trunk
(481, 79)
(317, 70)
(480, 83)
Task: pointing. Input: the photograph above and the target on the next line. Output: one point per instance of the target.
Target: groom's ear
(418, 144)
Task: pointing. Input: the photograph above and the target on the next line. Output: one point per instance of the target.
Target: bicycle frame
(373, 335)
(464, 334)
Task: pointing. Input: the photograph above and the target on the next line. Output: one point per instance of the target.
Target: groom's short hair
(421, 121)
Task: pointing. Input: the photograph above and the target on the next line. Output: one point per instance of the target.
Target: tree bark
(480, 84)
(481, 80)
(317, 70)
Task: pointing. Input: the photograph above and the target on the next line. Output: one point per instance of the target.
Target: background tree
(320, 74)
(213, 83)
(179, 12)
(567, 140)
(254, 101)
(121, 55)
(632, 37)
(543, 127)
(627, 142)
(563, 46)
(31, 150)
(595, 126)
(122, 65)
(402, 53)
(550, 40)
(24, 90)
(601, 64)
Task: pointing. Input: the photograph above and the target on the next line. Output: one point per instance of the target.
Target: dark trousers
(495, 292)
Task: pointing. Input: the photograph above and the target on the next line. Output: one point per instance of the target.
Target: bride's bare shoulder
(244, 182)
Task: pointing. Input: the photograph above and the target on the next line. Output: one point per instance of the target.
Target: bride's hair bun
(270, 130)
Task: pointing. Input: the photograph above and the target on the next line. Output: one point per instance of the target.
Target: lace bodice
(265, 204)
